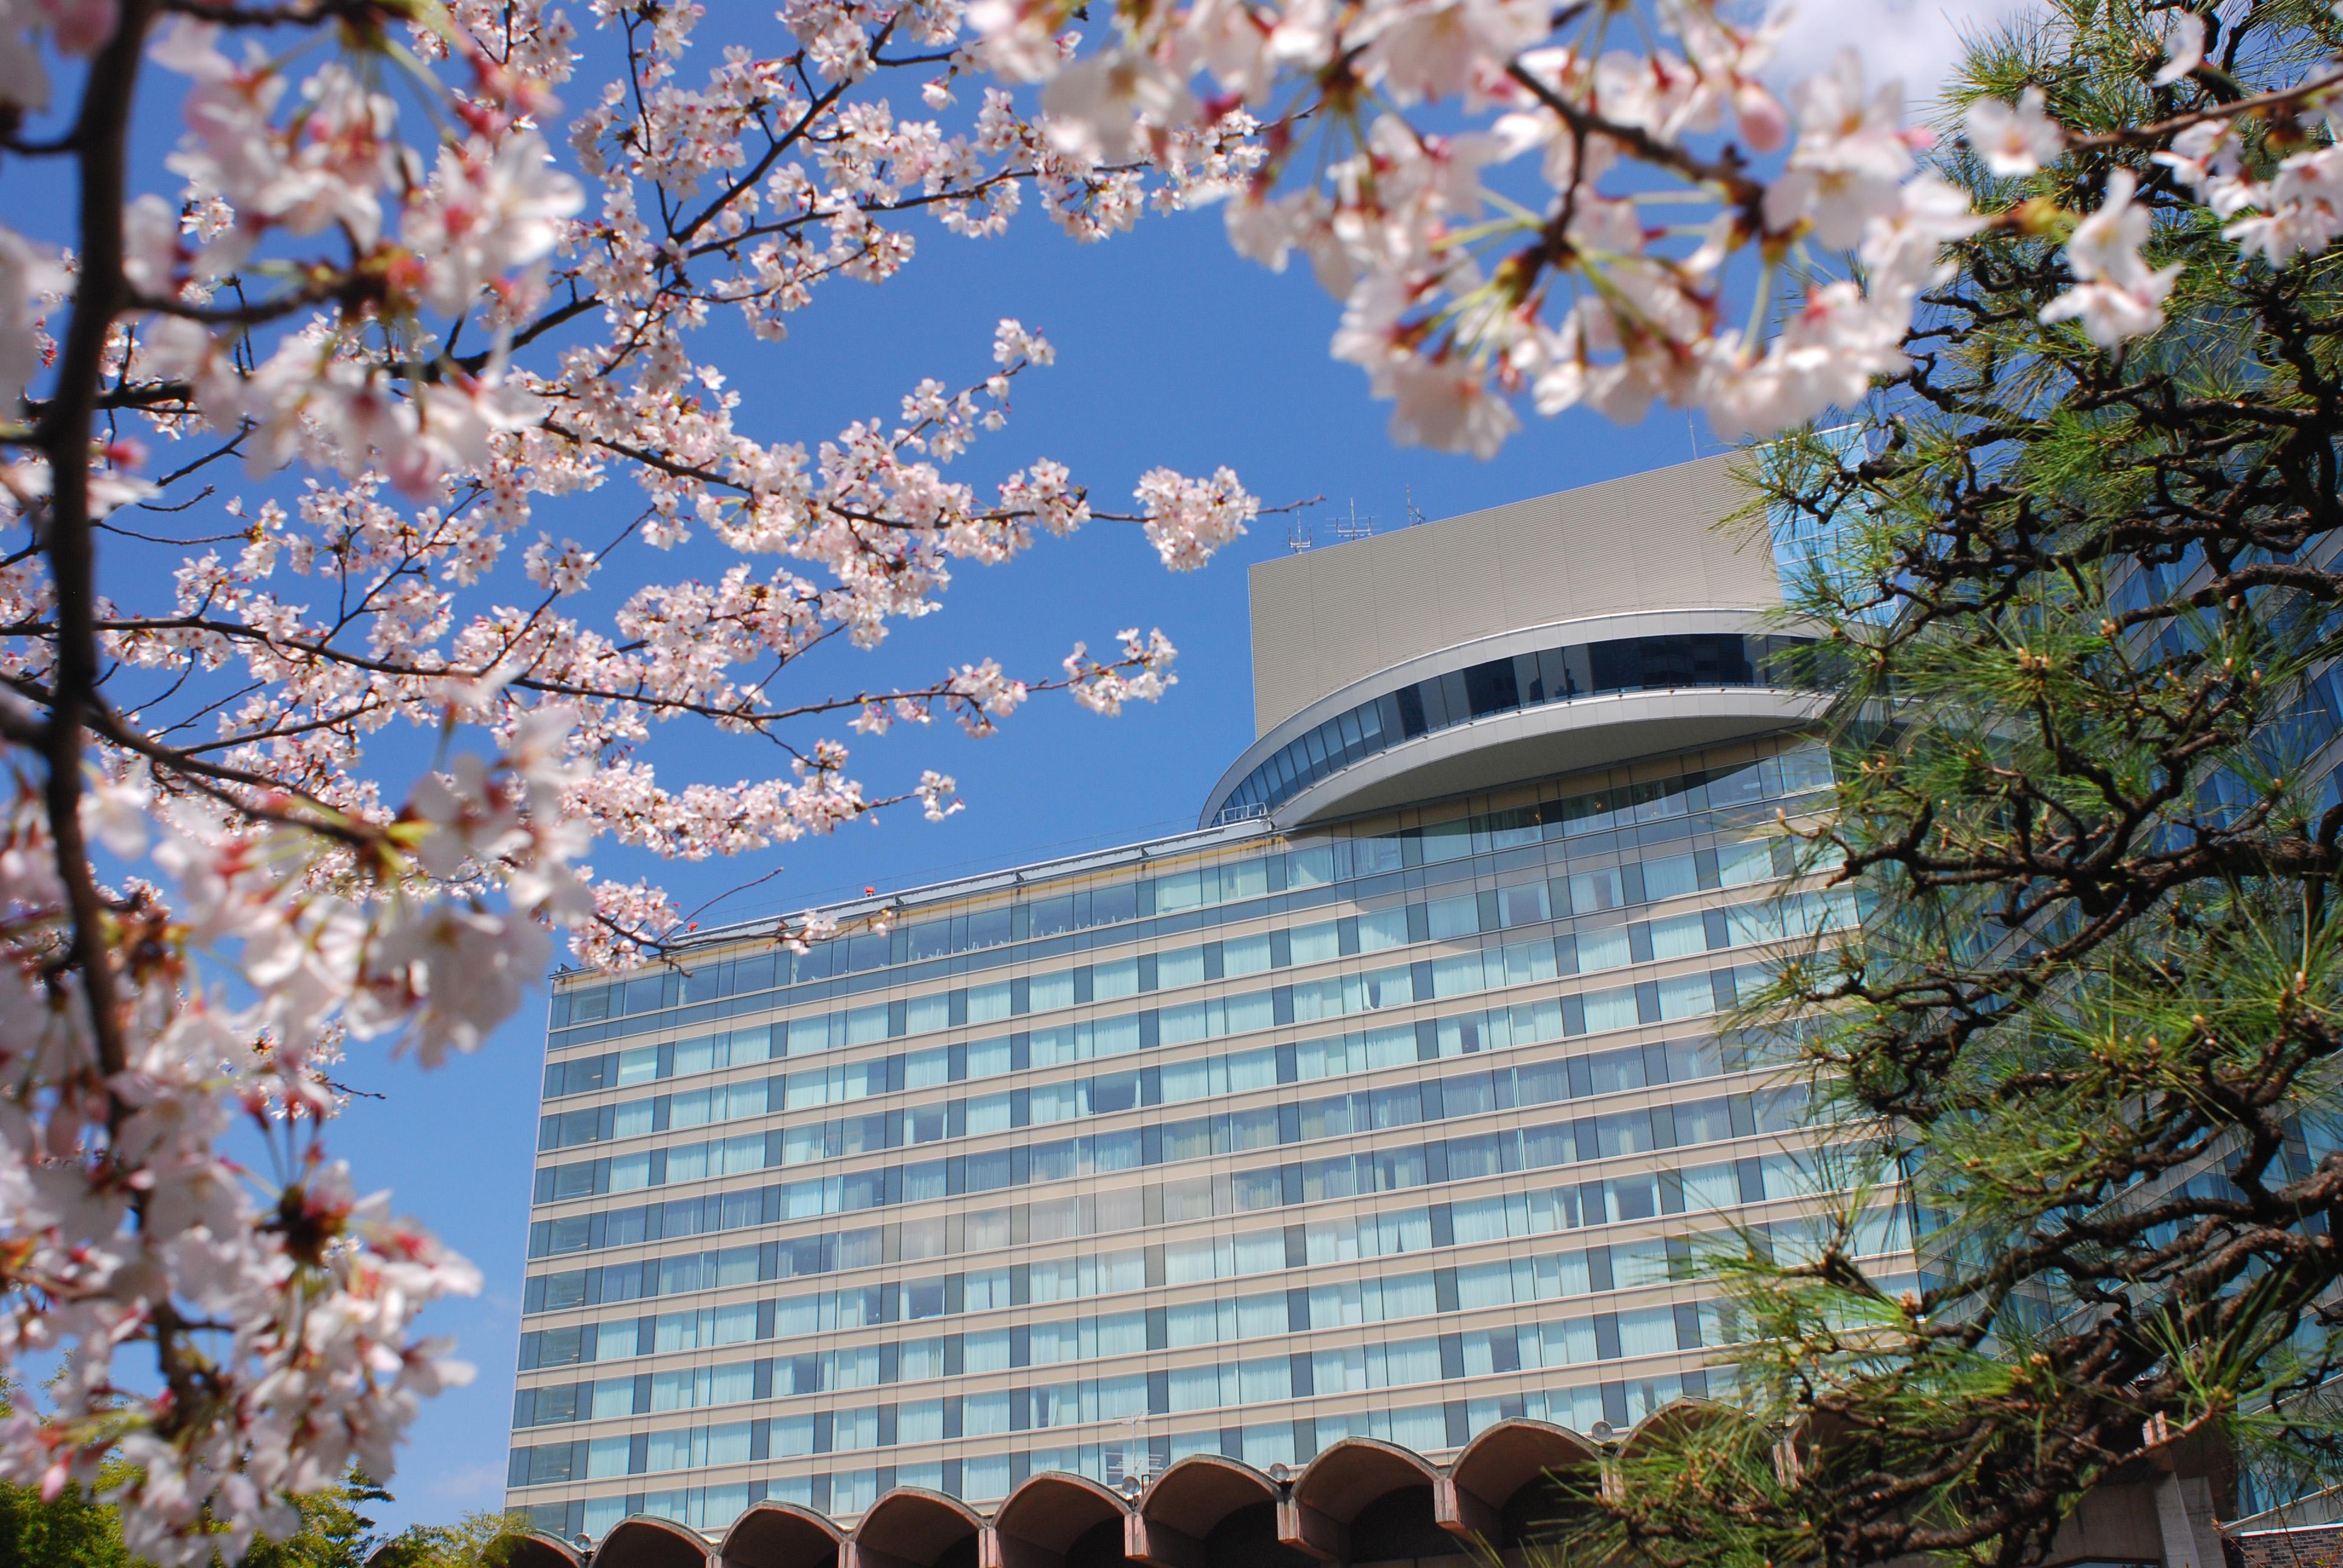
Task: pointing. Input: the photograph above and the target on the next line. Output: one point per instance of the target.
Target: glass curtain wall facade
(1240, 1142)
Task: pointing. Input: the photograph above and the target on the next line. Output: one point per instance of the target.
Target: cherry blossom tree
(366, 277)
(429, 336)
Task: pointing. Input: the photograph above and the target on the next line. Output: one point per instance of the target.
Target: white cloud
(1917, 40)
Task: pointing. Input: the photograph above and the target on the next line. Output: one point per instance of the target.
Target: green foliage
(333, 1533)
(2096, 1012)
(70, 1533)
(481, 1540)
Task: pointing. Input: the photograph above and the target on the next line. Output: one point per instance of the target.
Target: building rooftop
(1327, 618)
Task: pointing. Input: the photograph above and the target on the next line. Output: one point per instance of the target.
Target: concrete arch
(912, 1527)
(1058, 1519)
(1495, 1489)
(534, 1550)
(780, 1535)
(539, 1550)
(1196, 1500)
(643, 1540)
(1364, 1487)
(1680, 1415)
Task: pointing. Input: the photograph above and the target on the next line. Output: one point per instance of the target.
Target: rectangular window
(1669, 876)
(1679, 936)
(1245, 955)
(1457, 974)
(1113, 979)
(1607, 1010)
(1601, 889)
(1455, 916)
(1382, 928)
(1687, 996)
(1603, 948)
(1175, 893)
(1182, 966)
(1738, 865)
(1316, 944)
(1526, 961)
(1524, 904)
(1195, 1388)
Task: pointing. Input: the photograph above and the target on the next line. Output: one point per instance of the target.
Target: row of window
(1370, 1365)
(1457, 1035)
(1584, 892)
(1633, 1130)
(1445, 978)
(1208, 1320)
(732, 985)
(1581, 949)
(1638, 1196)
(989, 1477)
(1373, 1367)
(1085, 1336)
(1506, 685)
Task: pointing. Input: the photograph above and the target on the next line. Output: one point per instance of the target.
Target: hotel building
(1305, 1186)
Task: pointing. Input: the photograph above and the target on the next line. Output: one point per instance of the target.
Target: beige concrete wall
(1333, 615)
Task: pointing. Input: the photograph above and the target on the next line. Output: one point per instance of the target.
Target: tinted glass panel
(1502, 686)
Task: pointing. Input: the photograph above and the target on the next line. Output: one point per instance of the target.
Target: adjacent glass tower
(1386, 1104)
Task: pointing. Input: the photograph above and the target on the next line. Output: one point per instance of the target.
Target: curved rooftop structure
(1565, 632)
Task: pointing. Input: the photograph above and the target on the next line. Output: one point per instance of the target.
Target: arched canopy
(1197, 1492)
(1037, 1526)
(912, 1527)
(534, 1550)
(539, 1550)
(1680, 1416)
(780, 1535)
(642, 1540)
(1355, 1476)
(1491, 1491)
(1357, 1470)
(1187, 1502)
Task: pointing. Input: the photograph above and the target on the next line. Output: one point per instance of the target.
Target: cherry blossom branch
(102, 134)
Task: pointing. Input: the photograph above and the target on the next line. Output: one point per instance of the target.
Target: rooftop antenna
(1355, 526)
(1297, 536)
(1413, 517)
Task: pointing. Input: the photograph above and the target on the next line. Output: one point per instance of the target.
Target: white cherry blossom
(2117, 295)
(2015, 138)
(2184, 48)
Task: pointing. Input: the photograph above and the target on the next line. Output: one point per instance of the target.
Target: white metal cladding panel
(1325, 619)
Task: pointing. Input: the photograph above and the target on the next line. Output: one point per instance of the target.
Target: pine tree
(2080, 608)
